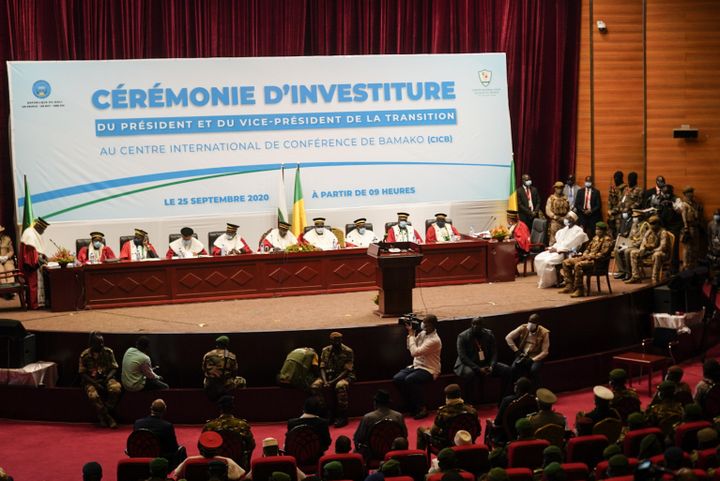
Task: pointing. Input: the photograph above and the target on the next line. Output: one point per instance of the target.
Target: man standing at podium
(402, 231)
(96, 252)
(32, 257)
(441, 231)
(360, 236)
(230, 243)
(139, 248)
(321, 237)
(278, 239)
(186, 246)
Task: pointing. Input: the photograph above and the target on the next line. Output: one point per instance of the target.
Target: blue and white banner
(104, 140)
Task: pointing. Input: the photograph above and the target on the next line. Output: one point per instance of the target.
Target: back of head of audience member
(552, 454)
(209, 443)
(497, 474)
(313, 405)
(382, 398)
(390, 468)
(674, 458)
(618, 465)
(462, 438)
(447, 459)
(707, 438)
(158, 408)
(270, 447)
(333, 471)
(636, 421)
(554, 472)
(279, 476)
(343, 445)
(692, 412)
(611, 451)
(92, 471)
(399, 444)
(524, 428)
(523, 386)
(226, 404)
(650, 446)
(675, 374)
(584, 425)
(159, 468)
(711, 369)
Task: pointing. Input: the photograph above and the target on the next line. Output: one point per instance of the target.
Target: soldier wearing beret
(220, 368)
(556, 208)
(337, 371)
(656, 244)
(625, 400)
(692, 212)
(437, 434)
(666, 410)
(545, 415)
(574, 268)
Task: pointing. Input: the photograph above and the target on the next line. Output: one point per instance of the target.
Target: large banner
(103, 140)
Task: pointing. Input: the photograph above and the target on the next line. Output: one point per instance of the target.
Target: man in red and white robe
(230, 243)
(96, 252)
(360, 236)
(520, 232)
(278, 239)
(402, 231)
(32, 257)
(441, 231)
(139, 248)
(186, 246)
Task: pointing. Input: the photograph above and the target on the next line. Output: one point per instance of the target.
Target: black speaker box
(17, 347)
(668, 300)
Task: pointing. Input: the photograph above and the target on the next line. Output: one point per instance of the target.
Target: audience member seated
(399, 444)
(525, 431)
(381, 403)
(186, 246)
(675, 374)
(220, 368)
(403, 231)
(159, 470)
(312, 410)
(92, 471)
(343, 445)
(650, 446)
(583, 425)
(231, 243)
(447, 462)
(673, 458)
(554, 472)
(618, 465)
(441, 231)
(165, 432)
(521, 387)
(667, 411)
(208, 445)
(495, 474)
(707, 438)
(137, 372)
(228, 422)
(635, 421)
(625, 400)
(388, 469)
(437, 434)
(218, 471)
(360, 236)
(332, 471)
(97, 374)
(602, 397)
(610, 451)
(545, 414)
(551, 454)
(462, 438)
(711, 376)
(271, 448)
(337, 371)
(531, 344)
(321, 237)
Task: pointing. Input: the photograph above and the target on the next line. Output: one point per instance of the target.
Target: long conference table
(123, 284)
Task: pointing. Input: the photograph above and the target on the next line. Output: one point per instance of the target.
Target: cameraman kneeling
(531, 344)
(424, 347)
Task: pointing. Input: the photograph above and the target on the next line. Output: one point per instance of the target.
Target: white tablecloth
(35, 374)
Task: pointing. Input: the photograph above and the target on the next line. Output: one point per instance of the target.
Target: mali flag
(512, 197)
(299, 220)
(28, 216)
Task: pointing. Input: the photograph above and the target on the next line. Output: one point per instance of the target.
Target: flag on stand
(282, 200)
(28, 216)
(512, 197)
(299, 220)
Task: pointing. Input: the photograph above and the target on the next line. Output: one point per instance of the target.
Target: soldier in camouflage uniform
(692, 213)
(668, 409)
(228, 422)
(220, 368)
(97, 371)
(556, 208)
(437, 434)
(655, 243)
(632, 196)
(336, 370)
(573, 268)
(614, 208)
(545, 415)
(713, 240)
(625, 400)
(623, 267)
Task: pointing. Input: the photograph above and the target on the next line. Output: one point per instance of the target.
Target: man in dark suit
(651, 197)
(587, 207)
(382, 411)
(528, 201)
(164, 431)
(311, 417)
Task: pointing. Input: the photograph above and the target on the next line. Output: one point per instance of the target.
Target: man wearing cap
(138, 248)
(96, 252)
(381, 403)
(462, 438)
(230, 243)
(208, 445)
(337, 372)
(556, 208)
(667, 408)
(97, 369)
(137, 372)
(531, 344)
(92, 471)
(568, 239)
(602, 397)
(692, 212)
(270, 448)
(631, 234)
(360, 236)
(7, 254)
(477, 357)
(625, 400)
(164, 431)
(186, 246)
(321, 237)
(587, 206)
(278, 239)
(656, 245)
(32, 256)
(220, 368)
(545, 415)
(437, 434)
(441, 231)
(403, 231)
(520, 233)
(227, 421)
(574, 269)
(528, 201)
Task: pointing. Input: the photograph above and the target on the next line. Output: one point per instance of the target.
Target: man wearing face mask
(425, 347)
(631, 235)
(713, 239)
(528, 201)
(651, 197)
(322, 238)
(139, 248)
(403, 231)
(655, 244)
(477, 358)
(531, 344)
(632, 196)
(31, 257)
(441, 231)
(569, 238)
(96, 252)
(278, 239)
(692, 212)
(573, 269)
(587, 207)
(230, 243)
(614, 209)
(570, 190)
(556, 208)
(186, 246)
(360, 236)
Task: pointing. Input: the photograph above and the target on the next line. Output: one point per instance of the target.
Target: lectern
(395, 275)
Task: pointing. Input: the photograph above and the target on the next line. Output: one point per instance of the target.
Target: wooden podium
(395, 276)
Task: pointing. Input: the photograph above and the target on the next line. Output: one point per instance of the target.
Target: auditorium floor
(303, 312)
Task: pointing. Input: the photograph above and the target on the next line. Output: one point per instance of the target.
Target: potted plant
(500, 233)
(63, 257)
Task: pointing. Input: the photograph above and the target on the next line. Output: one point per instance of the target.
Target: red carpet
(56, 452)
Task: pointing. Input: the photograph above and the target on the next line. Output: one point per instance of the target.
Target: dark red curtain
(541, 39)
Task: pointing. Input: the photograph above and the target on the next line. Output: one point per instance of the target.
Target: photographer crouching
(424, 345)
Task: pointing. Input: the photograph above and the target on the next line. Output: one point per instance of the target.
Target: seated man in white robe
(186, 246)
(320, 237)
(360, 236)
(230, 243)
(568, 238)
(278, 239)
(441, 230)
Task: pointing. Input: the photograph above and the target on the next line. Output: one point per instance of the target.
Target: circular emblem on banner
(41, 89)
